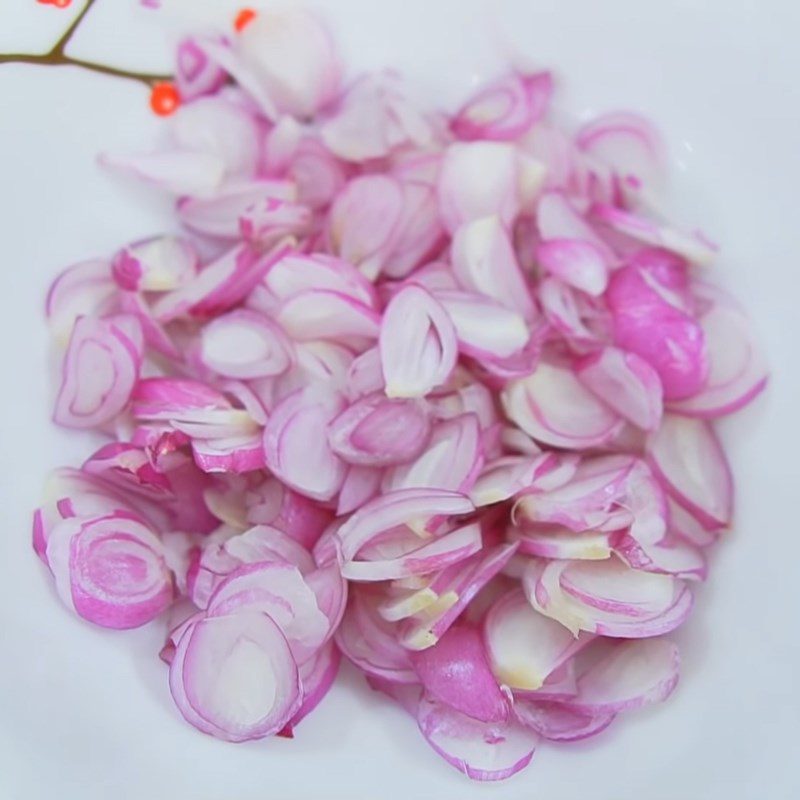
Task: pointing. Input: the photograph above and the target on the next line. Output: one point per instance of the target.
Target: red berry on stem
(164, 99)
(243, 19)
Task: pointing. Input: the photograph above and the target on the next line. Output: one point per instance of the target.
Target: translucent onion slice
(484, 751)
(110, 569)
(234, 677)
(636, 673)
(525, 646)
(687, 458)
(553, 407)
(417, 343)
(100, 371)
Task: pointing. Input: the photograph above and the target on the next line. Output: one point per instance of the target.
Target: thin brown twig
(57, 57)
(53, 60)
(61, 45)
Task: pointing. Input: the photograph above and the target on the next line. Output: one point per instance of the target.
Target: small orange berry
(243, 19)
(56, 3)
(164, 99)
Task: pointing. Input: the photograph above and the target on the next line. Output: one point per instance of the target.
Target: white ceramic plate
(86, 713)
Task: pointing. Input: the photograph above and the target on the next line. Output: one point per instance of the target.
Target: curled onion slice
(100, 371)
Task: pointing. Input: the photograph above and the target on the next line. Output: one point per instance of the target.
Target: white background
(86, 713)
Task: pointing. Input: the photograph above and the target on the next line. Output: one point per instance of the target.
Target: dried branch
(57, 57)
(61, 45)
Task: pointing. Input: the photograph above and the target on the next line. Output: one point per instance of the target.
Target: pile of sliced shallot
(435, 392)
